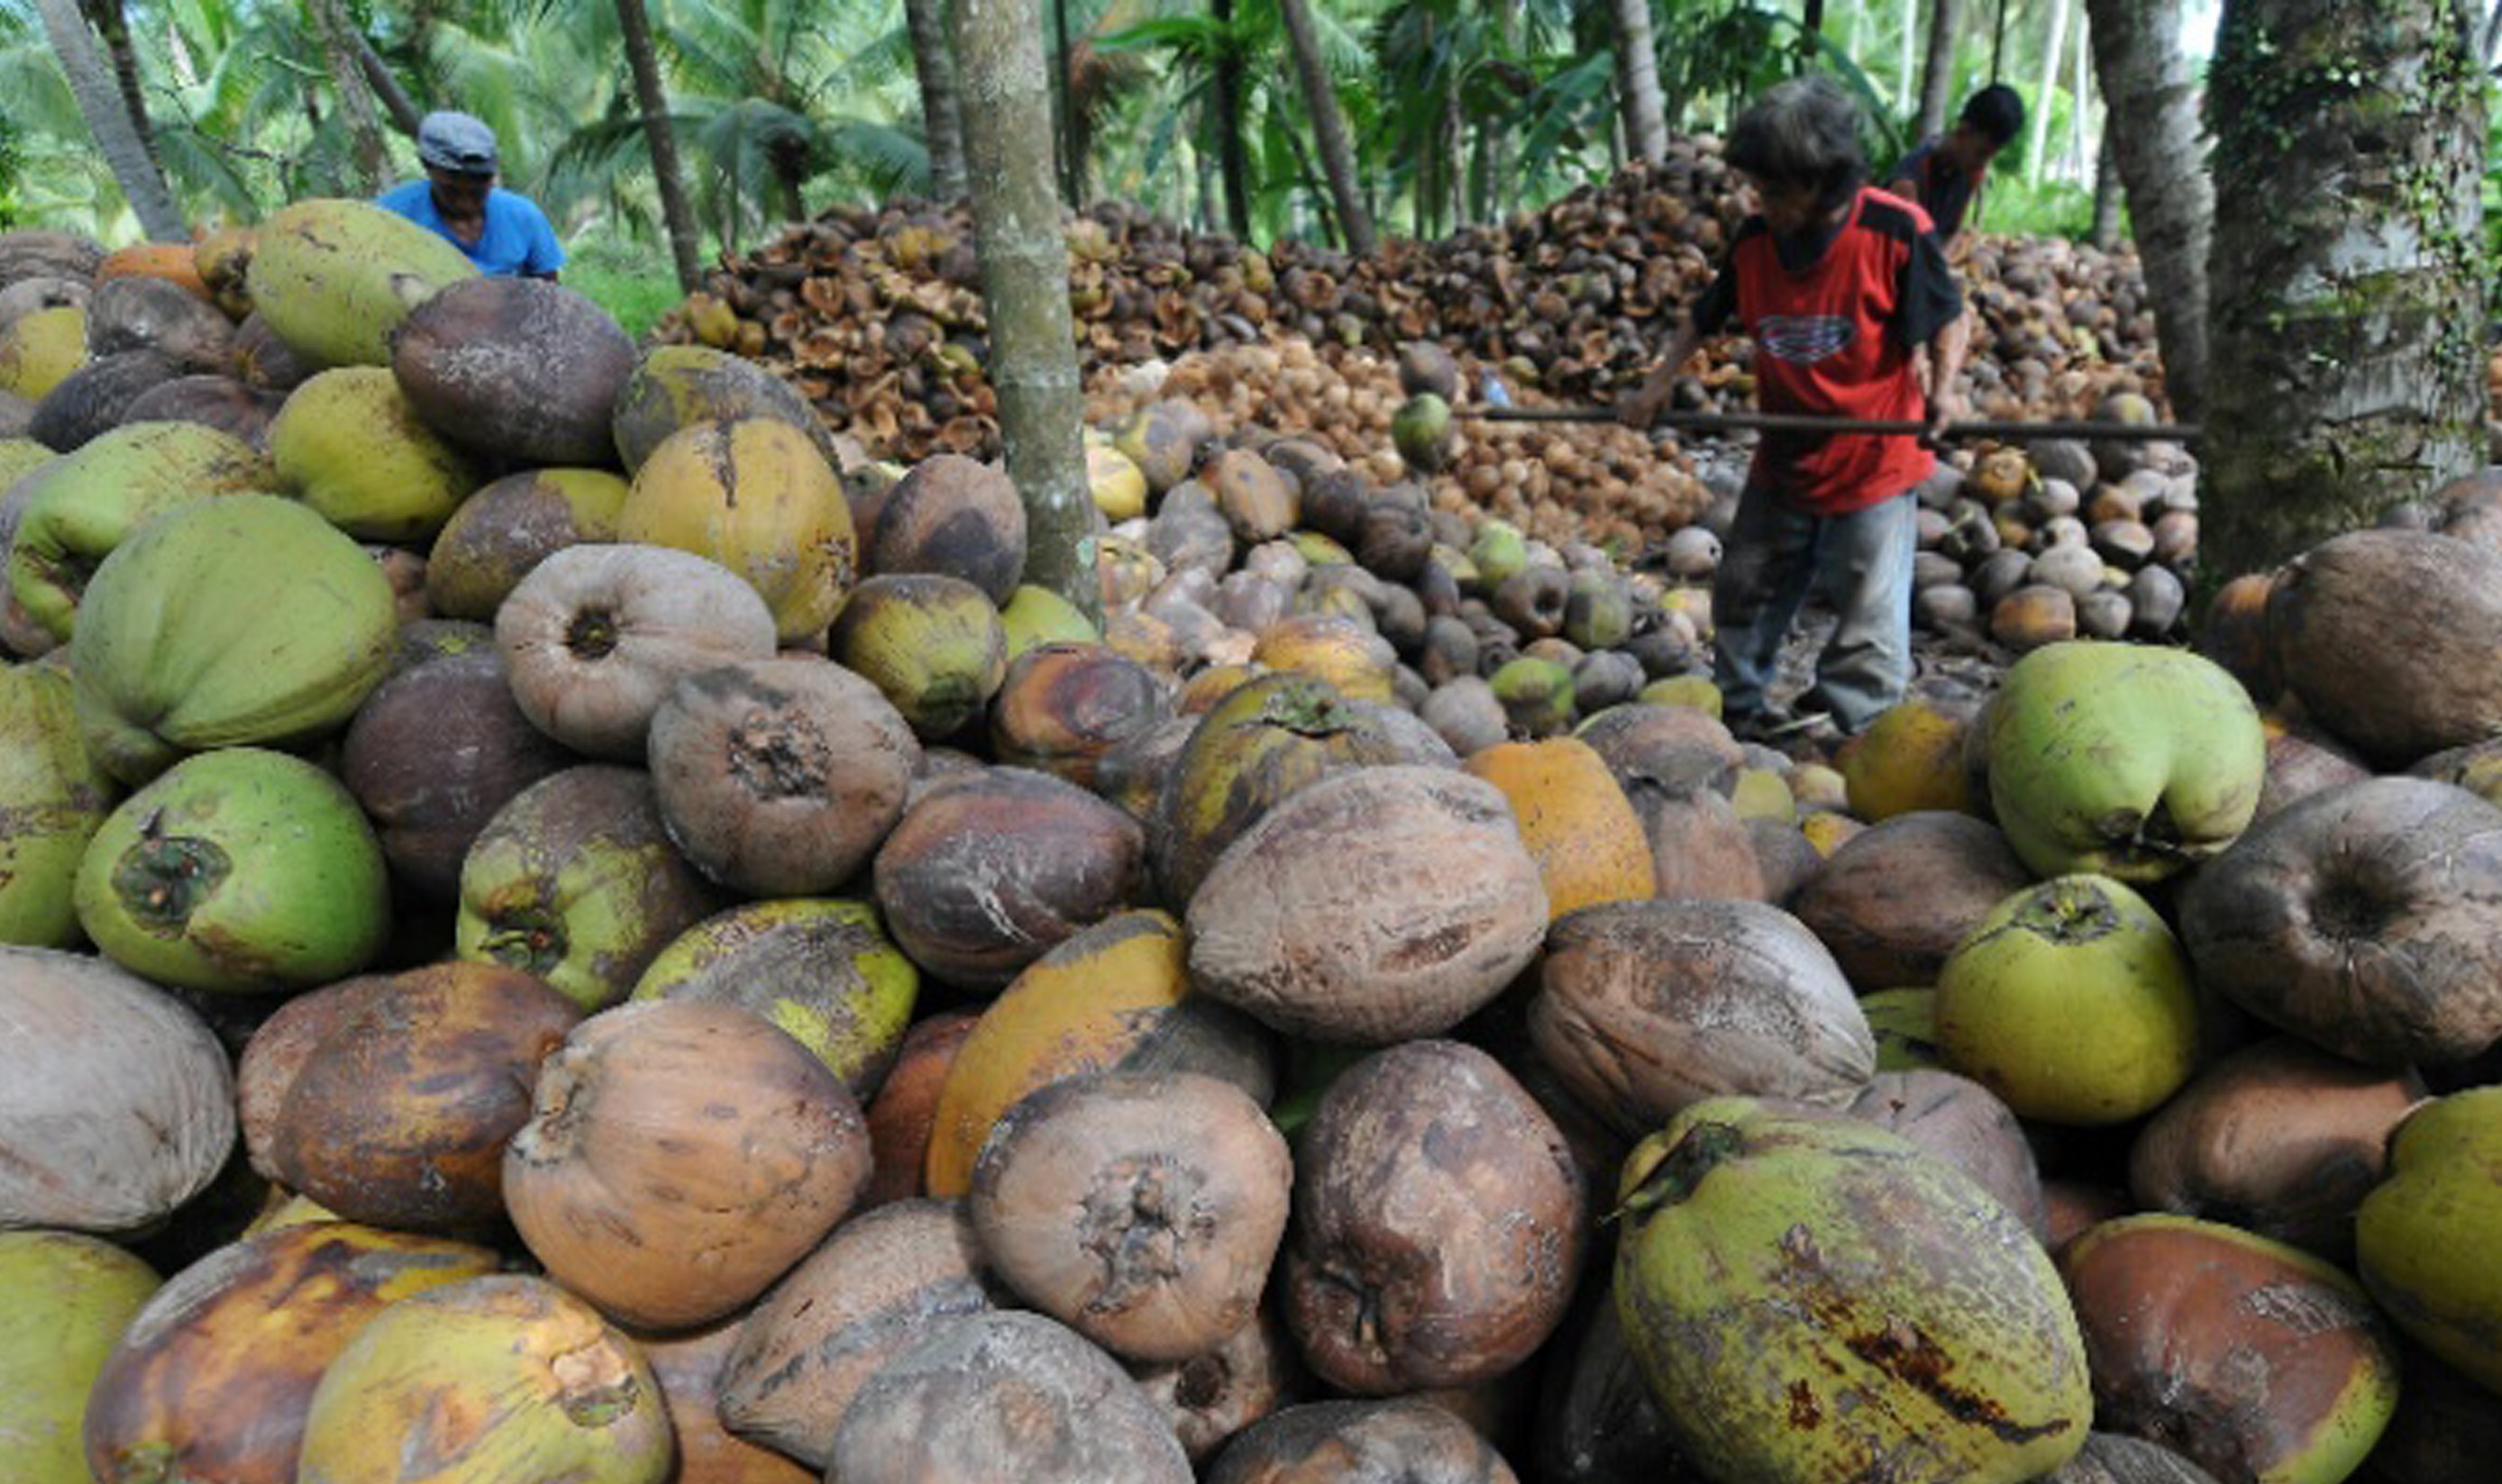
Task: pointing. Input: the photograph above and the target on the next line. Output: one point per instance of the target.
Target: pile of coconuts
(876, 314)
(561, 923)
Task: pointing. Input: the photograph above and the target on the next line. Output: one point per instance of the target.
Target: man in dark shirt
(1945, 175)
(1855, 315)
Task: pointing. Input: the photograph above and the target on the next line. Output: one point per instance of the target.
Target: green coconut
(51, 800)
(80, 506)
(497, 1378)
(933, 644)
(822, 969)
(230, 622)
(349, 445)
(239, 871)
(1034, 617)
(1808, 1293)
(332, 279)
(1421, 431)
(38, 352)
(70, 1298)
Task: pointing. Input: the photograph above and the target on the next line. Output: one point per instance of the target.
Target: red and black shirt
(1835, 326)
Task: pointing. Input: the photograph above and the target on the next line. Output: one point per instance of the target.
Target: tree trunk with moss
(933, 61)
(117, 135)
(634, 23)
(2147, 81)
(1024, 288)
(1225, 122)
(2347, 276)
(1640, 107)
(1936, 75)
(1329, 127)
(2106, 189)
(394, 99)
(356, 97)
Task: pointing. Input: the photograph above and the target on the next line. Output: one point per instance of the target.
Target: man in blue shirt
(505, 234)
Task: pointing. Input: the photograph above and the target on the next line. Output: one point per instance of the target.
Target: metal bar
(1799, 422)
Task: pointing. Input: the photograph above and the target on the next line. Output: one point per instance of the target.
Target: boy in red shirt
(1855, 315)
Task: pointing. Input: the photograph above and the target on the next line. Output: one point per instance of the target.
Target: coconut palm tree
(117, 135)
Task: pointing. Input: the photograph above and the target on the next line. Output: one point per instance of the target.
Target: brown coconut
(681, 1155)
(687, 1369)
(2366, 919)
(1964, 1124)
(956, 517)
(1212, 1396)
(1063, 706)
(509, 526)
(1644, 1007)
(1002, 1386)
(878, 1284)
(220, 402)
(521, 368)
(1399, 1441)
(1451, 908)
(1896, 898)
(399, 1115)
(985, 873)
(95, 399)
(150, 314)
(278, 1050)
(905, 1109)
(2389, 636)
(2302, 761)
(1439, 1223)
(2280, 1139)
(780, 777)
(1142, 1211)
(433, 754)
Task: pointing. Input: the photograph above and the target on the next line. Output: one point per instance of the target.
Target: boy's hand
(1943, 409)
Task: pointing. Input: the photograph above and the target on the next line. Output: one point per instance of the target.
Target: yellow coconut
(1589, 844)
(755, 496)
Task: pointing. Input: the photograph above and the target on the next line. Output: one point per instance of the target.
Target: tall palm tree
(933, 61)
(1329, 127)
(354, 94)
(107, 119)
(662, 139)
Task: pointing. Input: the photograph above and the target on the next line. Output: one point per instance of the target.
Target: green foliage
(624, 275)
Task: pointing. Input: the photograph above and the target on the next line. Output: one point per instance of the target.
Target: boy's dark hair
(1997, 111)
(1801, 132)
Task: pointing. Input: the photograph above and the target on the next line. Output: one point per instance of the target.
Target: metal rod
(1800, 422)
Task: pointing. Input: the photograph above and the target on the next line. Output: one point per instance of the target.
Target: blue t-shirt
(518, 239)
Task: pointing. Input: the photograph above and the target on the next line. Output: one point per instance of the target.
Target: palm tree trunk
(405, 116)
(1454, 152)
(1936, 77)
(1907, 62)
(635, 25)
(109, 24)
(2346, 318)
(356, 102)
(1225, 121)
(2147, 80)
(1329, 128)
(934, 60)
(2041, 96)
(1024, 288)
(1645, 120)
(2107, 189)
(108, 118)
(1073, 161)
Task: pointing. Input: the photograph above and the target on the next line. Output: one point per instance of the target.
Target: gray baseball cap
(457, 142)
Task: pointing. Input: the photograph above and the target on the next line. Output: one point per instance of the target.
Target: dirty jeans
(1774, 554)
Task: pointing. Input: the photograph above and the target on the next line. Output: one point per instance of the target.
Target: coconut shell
(1399, 1441)
(96, 398)
(953, 516)
(987, 873)
(398, 1116)
(874, 1288)
(220, 402)
(1153, 1245)
(1894, 900)
(2292, 1372)
(1439, 1223)
(1000, 1386)
(152, 313)
(780, 777)
(2301, 762)
(906, 1107)
(432, 754)
(2113, 1458)
(1645, 1007)
(1062, 706)
(1456, 908)
(2384, 636)
(689, 1369)
(1210, 1397)
(2365, 919)
(2280, 1139)
(519, 368)
(1964, 1124)
(279, 1049)
(263, 360)
(116, 1103)
(214, 1379)
(680, 1156)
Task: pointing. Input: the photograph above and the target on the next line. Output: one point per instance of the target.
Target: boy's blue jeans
(1774, 554)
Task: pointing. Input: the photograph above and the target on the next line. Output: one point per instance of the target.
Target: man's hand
(1945, 408)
